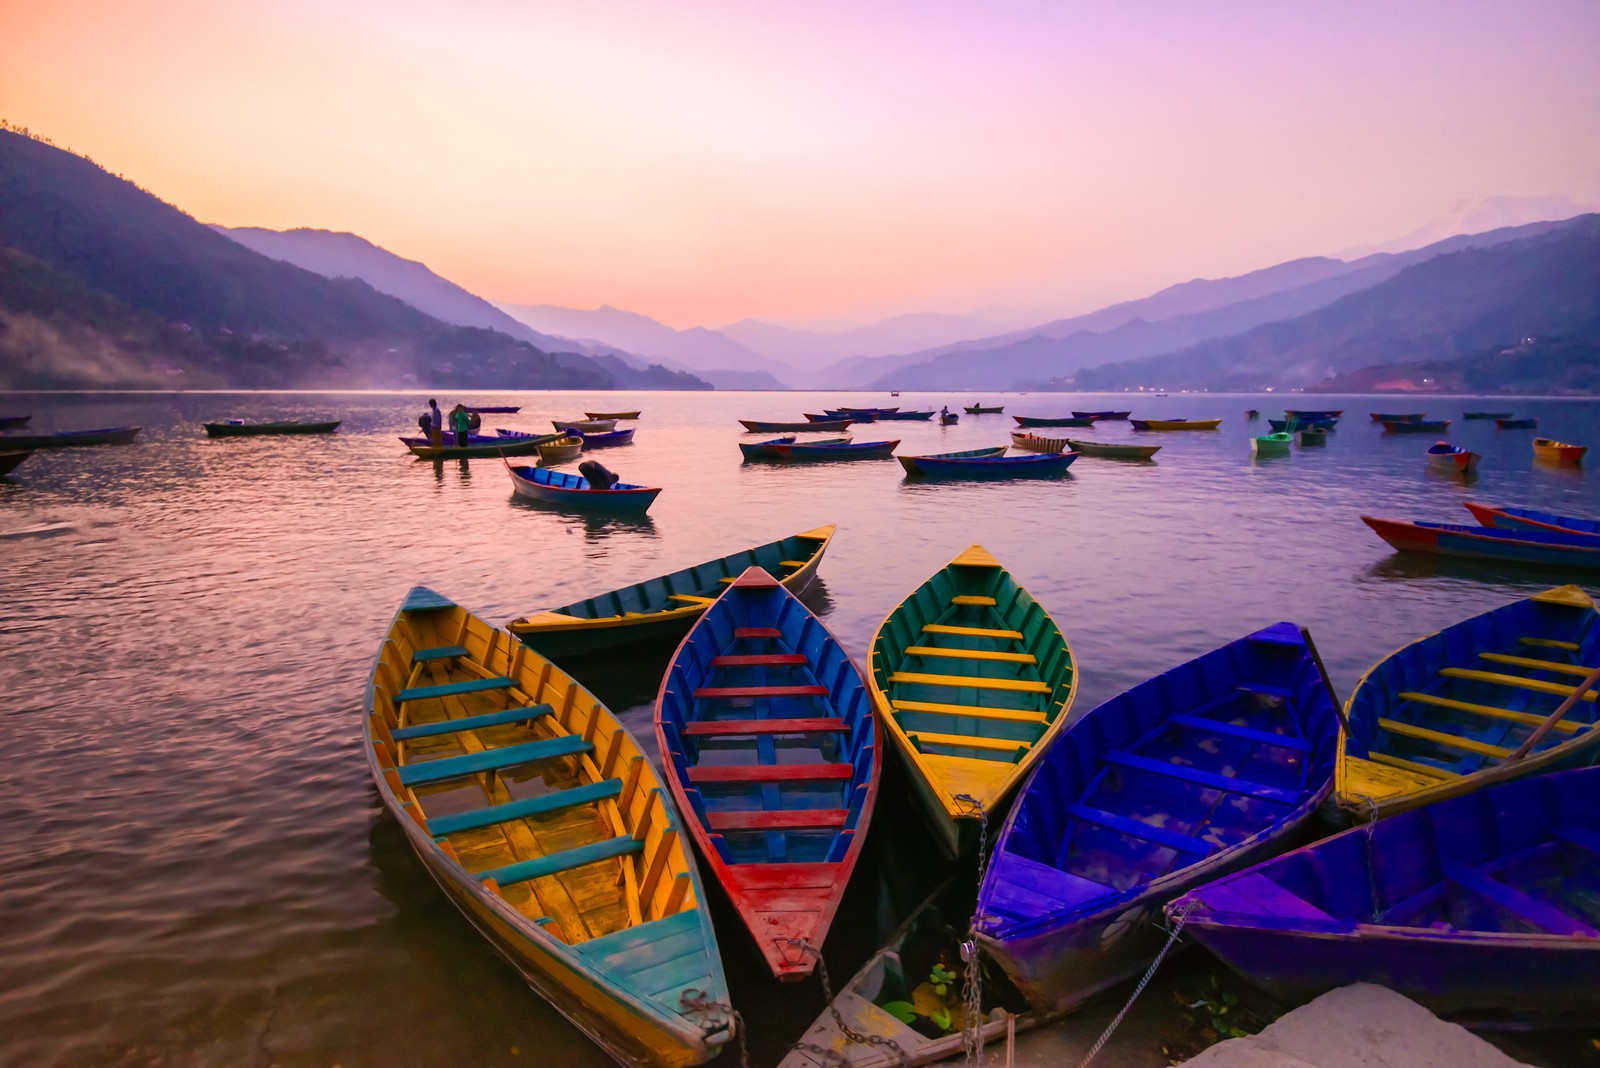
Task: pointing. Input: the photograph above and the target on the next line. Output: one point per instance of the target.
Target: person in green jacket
(461, 423)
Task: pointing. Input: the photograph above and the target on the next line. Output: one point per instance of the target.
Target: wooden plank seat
(939, 708)
(969, 741)
(1551, 643)
(443, 652)
(971, 654)
(793, 819)
(1536, 664)
(770, 773)
(1209, 779)
(758, 660)
(1403, 764)
(973, 600)
(1283, 741)
(1531, 909)
(1496, 679)
(1132, 828)
(1531, 719)
(691, 598)
(439, 826)
(970, 632)
(709, 692)
(975, 682)
(1449, 741)
(752, 633)
(451, 689)
(472, 723)
(431, 771)
(775, 725)
(1266, 690)
(791, 563)
(621, 846)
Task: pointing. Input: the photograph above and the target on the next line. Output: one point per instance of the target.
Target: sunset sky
(821, 163)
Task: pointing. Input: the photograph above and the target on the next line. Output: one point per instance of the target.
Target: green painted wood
(450, 689)
(620, 846)
(443, 652)
(472, 723)
(492, 760)
(532, 806)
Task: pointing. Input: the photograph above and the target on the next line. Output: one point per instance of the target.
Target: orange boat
(1559, 451)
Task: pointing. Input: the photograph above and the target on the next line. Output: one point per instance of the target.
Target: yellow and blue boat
(972, 679)
(544, 822)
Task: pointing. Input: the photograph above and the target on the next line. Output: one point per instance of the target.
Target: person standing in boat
(461, 423)
(435, 423)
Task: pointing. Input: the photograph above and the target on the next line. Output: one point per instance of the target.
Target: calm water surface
(194, 868)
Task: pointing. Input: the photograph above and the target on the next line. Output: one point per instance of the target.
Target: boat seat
(1531, 719)
(758, 660)
(1497, 679)
(443, 652)
(1537, 664)
(450, 689)
(1266, 690)
(970, 632)
(794, 819)
(770, 773)
(1578, 836)
(1181, 843)
(969, 741)
(776, 725)
(791, 563)
(971, 654)
(1008, 715)
(1283, 741)
(431, 771)
(621, 846)
(749, 633)
(1430, 770)
(1209, 779)
(1256, 895)
(1551, 643)
(716, 692)
(691, 598)
(974, 600)
(439, 826)
(976, 682)
(1536, 912)
(472, 723)
(1449, 741)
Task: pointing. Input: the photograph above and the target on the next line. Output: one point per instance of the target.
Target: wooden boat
(1252, 414)
(1443, 456)
(582, 883)
(971, 680)
(889, 983)
(662, 609)
(574, 491)
(834, 416)
(585, 426)
(864, 411)
(987, 463)
(607, 439)
(1031, 420)
(1509, 518)
(10, 461)
(1562, 549)
(759, 426)
(1486, 415)
(1021, 439)
(1543, 449)
(478, 445)
(233, 428)
(1175, 424)
(560, 451)
(1516, 424)
(61, 439)
(1415, 426)
(978, 409)
(504, 409)
(1480, 907)
(1113, 452)
(838, 450)
(14, 422)
(948, 418)
(1311, 437)
(769, 745)
(909, 416)
(1446, 714)
(763, 450)
(1217, 763)
(1271, 444)
(1314, 415)
(613, 415)
(1289, 426)
(1391, 417)
(1102, 415)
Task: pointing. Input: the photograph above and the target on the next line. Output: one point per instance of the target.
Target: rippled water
(193, 865)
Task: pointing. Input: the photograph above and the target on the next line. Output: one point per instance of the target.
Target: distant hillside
(112, 237)
(1556, 366)
(1456, 306)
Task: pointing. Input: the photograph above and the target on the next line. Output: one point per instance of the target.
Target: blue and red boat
(1505, 517)
(1569, 549)
(987, 463)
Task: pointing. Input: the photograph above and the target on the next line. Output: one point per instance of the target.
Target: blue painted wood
(492, 760)
(472, 723)
(1513, 900)
(1183, 843)
(422, 599)
(1210, 780)
(621, 846)
(439, 826)
(451, 689)
(443, 652)
(1282, 741)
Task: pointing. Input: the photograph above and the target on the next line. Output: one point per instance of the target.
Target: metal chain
(1372, 859)
(972, 1026)
(694, 1003)
(1179, 918)
(850, 1033)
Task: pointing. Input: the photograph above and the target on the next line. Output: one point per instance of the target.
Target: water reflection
(594, 526)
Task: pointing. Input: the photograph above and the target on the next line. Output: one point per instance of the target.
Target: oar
(1316, 658)
(1555, 717)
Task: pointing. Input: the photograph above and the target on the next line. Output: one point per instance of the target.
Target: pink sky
(821, 162)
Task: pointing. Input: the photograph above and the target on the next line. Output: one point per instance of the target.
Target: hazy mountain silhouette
(1477, 216)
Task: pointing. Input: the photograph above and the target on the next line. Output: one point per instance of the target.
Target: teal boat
(1272, 444)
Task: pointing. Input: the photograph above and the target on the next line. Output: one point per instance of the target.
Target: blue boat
(763, 450)
(1516, 424)
(844, 449)
(1506, 517)
(1415, 426)
(574, 491)
(1213, 765)
(1289, 426)
(1484, 907)
(1568, 549)
(987, 463)
(768, 741)
(606, 438)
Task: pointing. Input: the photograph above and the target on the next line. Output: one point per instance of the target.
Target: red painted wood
(779, 725)
(758, 660)
(757, 632)
(785, 820)
(771, 773)
(797, 877)
(761, 691)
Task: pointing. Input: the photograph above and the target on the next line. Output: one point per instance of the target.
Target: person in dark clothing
(597, 475)
(435, 424)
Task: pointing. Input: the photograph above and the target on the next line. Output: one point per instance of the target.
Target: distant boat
(1486, 415)
(1516, 424)
(763, 450)
(574, 491)
(9, 461)
(1416, 426)
(1102, 415)
(1300, 423)
(120, 435)
(1443, 456)
(1310, 436)
(987, 463)
(1570, 550)
(502, 410)
(583, 426)
(978, 409)
(948, 418)
(14, 422)
(233, 428)
(1543, 448)
(766, 426)
(1034, 420)
(1252, 414)
(1176, 424)
(837, 450)
(1508, 518)
(1271, 444)
(477, 445)
(608, 438)
(612, 415)
(1110, 451)
(1313, 414)
(1022, 439)
(919, 416)
(1390, 417)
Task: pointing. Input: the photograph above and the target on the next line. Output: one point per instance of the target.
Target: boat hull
(613, 416)
(1443, 457)
(1416, 426)
(422, 449)
(760, 426)
(1271, 445)
(245, 430)
(10, 461)
(69, 439)
(854, 450)
(1516, 424)
(1558, 451)
(1113, 452)
(571, 491)
(1032, 465)
(1021, 439)
(1102, 415)
(1529, 519)
(1175, 424)
(561, 451)
(1567, 549)
(1029, 420)
(978, 409)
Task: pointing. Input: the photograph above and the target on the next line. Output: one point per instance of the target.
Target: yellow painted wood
(970, 741)
(1449, 741)
(1569, 595)
(972, 632)
(1008, 715)
(976, 556)
(791, 563)
(972, 682)
(1537, 664)
(1551, 643)
(1378, 781)
(1425, 771)
(971, 654)
(1514, 680)
(974, 600)
(1529, 718)
(689, 598)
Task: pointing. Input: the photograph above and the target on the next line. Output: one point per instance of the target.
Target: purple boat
(1485, 907)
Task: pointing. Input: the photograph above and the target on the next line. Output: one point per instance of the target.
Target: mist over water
(194, 867)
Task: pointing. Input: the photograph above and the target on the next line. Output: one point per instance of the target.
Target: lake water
(194, 867)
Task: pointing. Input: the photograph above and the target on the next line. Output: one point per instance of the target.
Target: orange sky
(703, 162)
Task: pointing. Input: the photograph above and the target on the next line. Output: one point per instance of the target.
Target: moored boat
(1486, 415)
(1293, 424)
(575, 491)
(762, 426)
(763, 450)
(1033, 420)
(987, 463)
(908, 416)
(1393, 417)
(1113, 451)
(10, 461)
(1311, 436)
(1313, 414)
(855, 415)
(662, 609)
(584, 426)
(234, 428)
(606, 439)
(835, 450)
(500, 409)
(971, 679)
(1443, 456)
(978, 409)
(1480, 907)
(478, 445)
(1175, 424)
(1271, 444)
(1252, 414)
(1102, 415)
(771, 750)
(1516, 424)
(1510, 518)
(585, 886)
(562, 450)
(1415, 426)
(62, 439)
(634, 414)
(1543, 449)
(1559, 549)
(1449, 713)
(14, 422)
(1022, 439)
(948, 418)
(1211, 765)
